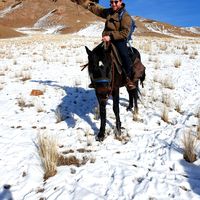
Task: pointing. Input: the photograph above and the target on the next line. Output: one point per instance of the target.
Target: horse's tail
(142, 78)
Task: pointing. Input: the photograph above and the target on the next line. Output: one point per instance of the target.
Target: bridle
(104, 86)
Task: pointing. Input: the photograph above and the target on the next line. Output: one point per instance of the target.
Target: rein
(84, 66)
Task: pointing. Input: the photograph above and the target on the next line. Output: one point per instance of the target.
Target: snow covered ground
(147, 164)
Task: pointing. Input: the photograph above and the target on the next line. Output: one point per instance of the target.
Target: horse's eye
(100, 63)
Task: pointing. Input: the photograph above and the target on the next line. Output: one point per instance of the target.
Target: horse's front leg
(130, 106)
(102, 108)
(115, 95)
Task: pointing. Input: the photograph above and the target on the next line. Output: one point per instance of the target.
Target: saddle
(138, 69)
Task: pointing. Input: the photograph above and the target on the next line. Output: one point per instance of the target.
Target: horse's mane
(100, 48)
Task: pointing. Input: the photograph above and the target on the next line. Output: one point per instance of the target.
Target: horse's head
(99, 67)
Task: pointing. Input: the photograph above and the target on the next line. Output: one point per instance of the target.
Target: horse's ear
(88, 51)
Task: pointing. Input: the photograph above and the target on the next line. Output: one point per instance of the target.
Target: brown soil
(7, 32)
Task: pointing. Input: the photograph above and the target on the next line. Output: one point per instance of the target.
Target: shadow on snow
(191, 170)
(77, 101)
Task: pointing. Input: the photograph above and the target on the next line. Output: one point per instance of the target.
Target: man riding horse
(116, 31)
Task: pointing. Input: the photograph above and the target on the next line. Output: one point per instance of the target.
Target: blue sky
(176, 12)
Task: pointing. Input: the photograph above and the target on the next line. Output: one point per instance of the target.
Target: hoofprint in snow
(147, 164)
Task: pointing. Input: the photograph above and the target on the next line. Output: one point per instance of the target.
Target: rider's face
(115, 4)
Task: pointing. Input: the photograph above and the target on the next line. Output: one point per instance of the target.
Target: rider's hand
(79, 1)
(75, 1)
(106, 38)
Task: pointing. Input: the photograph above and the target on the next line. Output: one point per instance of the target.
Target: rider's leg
(122, 48)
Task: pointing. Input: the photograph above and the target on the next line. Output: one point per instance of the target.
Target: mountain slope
(45, 14)
(152, 27)
(69, 17)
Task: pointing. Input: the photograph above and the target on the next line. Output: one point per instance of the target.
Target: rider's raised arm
(93, 7)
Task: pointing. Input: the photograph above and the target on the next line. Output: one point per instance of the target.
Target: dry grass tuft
(198, 129)
(38, 105)
(89, 137)
(125, 138)
(189, 143)
(166, 99)
(178, 107)
(168, 83)
(96, 113)
(197, 114)
(69, 160)
(163, 47)
(147, 47)
(59, 115)
(165, 115)
(184, 48)
(48, 154)
(192, 56)
(1, 86)
(177, 63)
(25, 76)
(22, 103)
(72, 160)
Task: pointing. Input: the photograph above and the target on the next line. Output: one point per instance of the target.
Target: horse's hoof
(99, 138)
(117, 132)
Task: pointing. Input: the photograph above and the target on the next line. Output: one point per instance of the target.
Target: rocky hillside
(66, 17)
(151, 27)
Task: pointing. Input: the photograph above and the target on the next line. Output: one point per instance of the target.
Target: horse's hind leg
(135, 98)
(115, 95)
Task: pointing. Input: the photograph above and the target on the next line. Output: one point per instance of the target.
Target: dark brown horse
(107, 79)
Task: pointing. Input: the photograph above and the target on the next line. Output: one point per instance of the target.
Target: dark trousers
(122, 48)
